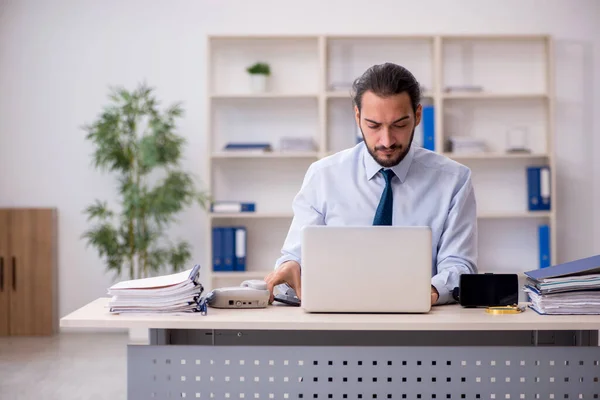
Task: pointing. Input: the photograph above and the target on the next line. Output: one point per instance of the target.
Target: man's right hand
(288, 272)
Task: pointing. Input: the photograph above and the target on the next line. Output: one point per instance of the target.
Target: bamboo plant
(138, 143)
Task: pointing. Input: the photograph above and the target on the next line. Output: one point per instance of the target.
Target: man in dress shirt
(386, 180)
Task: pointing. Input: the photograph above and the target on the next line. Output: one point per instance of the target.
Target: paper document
(179, 292)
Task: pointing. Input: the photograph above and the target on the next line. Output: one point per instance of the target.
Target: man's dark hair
(387, 80)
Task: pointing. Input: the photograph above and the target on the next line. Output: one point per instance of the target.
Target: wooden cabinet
(28, 275)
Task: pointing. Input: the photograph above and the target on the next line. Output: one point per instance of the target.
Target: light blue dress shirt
(430, 190)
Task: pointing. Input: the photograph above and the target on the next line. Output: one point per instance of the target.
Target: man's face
(388, 126)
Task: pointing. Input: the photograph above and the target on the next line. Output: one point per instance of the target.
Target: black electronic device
(488, 290)
(287, 299)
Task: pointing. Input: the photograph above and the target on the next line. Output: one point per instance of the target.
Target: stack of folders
(179, 292)
(569, 288)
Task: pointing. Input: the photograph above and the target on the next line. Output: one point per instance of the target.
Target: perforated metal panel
(318, 372)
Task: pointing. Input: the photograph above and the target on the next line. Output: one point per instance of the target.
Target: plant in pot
(259, 74)
(138, 143)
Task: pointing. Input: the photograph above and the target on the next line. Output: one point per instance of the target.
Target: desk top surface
(446, 317)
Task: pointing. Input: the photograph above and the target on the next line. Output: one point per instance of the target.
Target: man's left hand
(434, 295)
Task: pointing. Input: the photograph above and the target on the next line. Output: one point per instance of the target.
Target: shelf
(310, 93)
(495, 156)
(251, 215)
(267, 95)
(272, 154)
(487, 215)
(347, 95)
(493, 96)
(515, 214)
(240, 274)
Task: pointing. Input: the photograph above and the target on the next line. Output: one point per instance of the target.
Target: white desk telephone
(250, 294)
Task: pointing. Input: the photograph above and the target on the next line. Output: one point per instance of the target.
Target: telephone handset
(250, 294)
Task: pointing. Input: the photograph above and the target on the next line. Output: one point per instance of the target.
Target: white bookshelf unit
(308, 95)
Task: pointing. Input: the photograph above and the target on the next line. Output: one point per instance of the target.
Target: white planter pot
(258, 83)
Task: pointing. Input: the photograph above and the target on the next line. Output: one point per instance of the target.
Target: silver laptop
(374, 269)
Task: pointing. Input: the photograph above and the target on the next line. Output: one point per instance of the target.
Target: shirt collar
(372, 167)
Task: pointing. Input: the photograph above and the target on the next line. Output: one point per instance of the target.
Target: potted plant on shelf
(138, 143)
(259, 73)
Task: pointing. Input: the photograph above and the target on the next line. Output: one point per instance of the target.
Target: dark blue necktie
(383, 215)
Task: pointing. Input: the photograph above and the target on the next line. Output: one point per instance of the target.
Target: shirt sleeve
(457, 250)
(306, 212)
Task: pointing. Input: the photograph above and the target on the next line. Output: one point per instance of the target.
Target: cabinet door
(5, 276)
(32, 247)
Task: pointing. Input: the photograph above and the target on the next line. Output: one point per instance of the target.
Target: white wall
(57, 58)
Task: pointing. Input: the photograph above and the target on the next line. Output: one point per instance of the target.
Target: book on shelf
(232, 207)
(299, 144)
(466, 145)
(568, 288)
(229, 247)
(463, 89)
(248, 147)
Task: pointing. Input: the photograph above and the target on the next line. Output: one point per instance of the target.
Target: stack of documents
(466, 145)
(180, 292)
(570, 288)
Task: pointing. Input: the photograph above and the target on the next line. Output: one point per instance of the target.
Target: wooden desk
(282, 352)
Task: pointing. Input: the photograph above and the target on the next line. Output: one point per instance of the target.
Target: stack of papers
(570, 288)
(180, 292)
(466, 145)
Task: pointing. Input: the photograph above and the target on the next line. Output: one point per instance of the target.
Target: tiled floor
(68, 366)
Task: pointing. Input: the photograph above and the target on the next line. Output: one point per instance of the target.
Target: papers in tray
(179, 292)
(569, 288)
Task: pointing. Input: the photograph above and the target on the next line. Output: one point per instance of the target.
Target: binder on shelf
(544, 245)
(248, 147)
(217, 249)
(232, 207)
(240, 248)
(228, 249)
(428, 121)
(538, 188)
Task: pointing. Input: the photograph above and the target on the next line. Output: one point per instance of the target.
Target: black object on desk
(488, 290)
(286, 299)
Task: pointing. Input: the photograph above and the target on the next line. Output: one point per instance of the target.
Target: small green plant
(138, 142)
(259, 68)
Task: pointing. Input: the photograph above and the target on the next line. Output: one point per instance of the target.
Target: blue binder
(217, 249)
(228, 249)
(544, 245)
(582, 266)
(428, 121)
(538, 188)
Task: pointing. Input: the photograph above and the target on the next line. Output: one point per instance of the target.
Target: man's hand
(288, 272)
(434, 295)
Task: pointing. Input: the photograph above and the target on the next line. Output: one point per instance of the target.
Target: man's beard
(389, 162)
